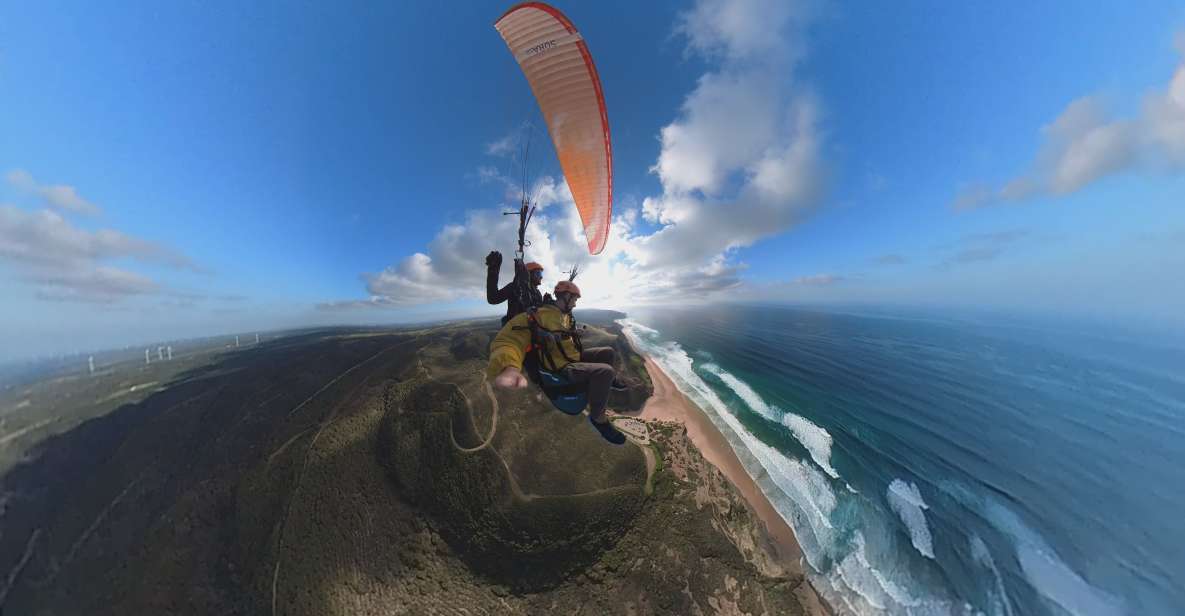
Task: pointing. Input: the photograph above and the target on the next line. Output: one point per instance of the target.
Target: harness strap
(538, 360)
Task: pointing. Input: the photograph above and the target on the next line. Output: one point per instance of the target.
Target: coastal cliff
(355, 472)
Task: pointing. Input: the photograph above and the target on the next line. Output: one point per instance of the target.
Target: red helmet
(534, 267)
(567, 286)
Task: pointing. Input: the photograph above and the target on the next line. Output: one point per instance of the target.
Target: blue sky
(175, 169)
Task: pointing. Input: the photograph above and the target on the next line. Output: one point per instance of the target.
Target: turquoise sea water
(951, 466)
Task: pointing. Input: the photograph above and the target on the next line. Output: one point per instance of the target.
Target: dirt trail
(20, 565)
(638, 435)
(336, 379)
(25, 430)
(489, 391)
(325, 423)
(279, 450)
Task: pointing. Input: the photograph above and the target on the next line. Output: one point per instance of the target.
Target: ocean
(950, 465)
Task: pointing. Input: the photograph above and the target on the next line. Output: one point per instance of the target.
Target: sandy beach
(669, 404)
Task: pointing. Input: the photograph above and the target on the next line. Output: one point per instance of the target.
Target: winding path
(305, 460)
(489, 391)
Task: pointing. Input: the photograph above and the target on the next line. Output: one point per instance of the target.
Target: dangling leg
(599, 378)
(604, 355)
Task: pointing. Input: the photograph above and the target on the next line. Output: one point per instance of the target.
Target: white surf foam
(982, 555)
(746, 393)
(804, 485)
(816, 440)
(637, 327)
(1059, 583)
(800, 494)
(861, 577)
(804, 497)
(906, 501)
(884, 588)
(1043, 568)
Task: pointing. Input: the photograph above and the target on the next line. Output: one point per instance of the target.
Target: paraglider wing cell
(555, 59)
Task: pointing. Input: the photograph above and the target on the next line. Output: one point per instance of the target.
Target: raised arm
(493, 264)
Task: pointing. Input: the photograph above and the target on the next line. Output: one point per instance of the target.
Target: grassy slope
(336, 457)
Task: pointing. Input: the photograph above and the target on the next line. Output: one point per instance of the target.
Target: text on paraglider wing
(548, 45)
(541, 47)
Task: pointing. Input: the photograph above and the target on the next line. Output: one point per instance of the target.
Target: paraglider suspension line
(522, 278)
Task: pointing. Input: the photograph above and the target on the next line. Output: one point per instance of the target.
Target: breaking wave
(1044, 569)
(824, 523)
(906, 501)
(816, 440)
(913, 485)
(983, 556)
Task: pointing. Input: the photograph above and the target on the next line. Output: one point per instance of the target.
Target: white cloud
(746, 30)
(60, 197)
(45, 237)
(503, 147)
(739, 163)
(776, 185)
(818, 280)
(1086, 143)
(92, 283)
(69, 263)
(453, 267)
(727, 122)
(511, 145)
(485, 174)
(1164, 116)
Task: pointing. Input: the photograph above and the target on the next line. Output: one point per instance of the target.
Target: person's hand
(510, 378)
(494, 259)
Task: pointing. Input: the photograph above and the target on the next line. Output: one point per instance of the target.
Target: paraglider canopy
(556, 61)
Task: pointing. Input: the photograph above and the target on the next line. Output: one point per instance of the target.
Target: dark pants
(595, 368)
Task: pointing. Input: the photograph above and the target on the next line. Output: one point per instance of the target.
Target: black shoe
(608, 432)
(618, 385)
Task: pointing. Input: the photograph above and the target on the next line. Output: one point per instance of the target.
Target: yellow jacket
(510, 346)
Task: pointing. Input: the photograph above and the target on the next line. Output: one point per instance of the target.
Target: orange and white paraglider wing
(559, 68)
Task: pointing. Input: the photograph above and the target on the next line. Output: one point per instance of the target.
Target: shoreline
(667, 403)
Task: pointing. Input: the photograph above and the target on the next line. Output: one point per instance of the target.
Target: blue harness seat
(566, 396)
